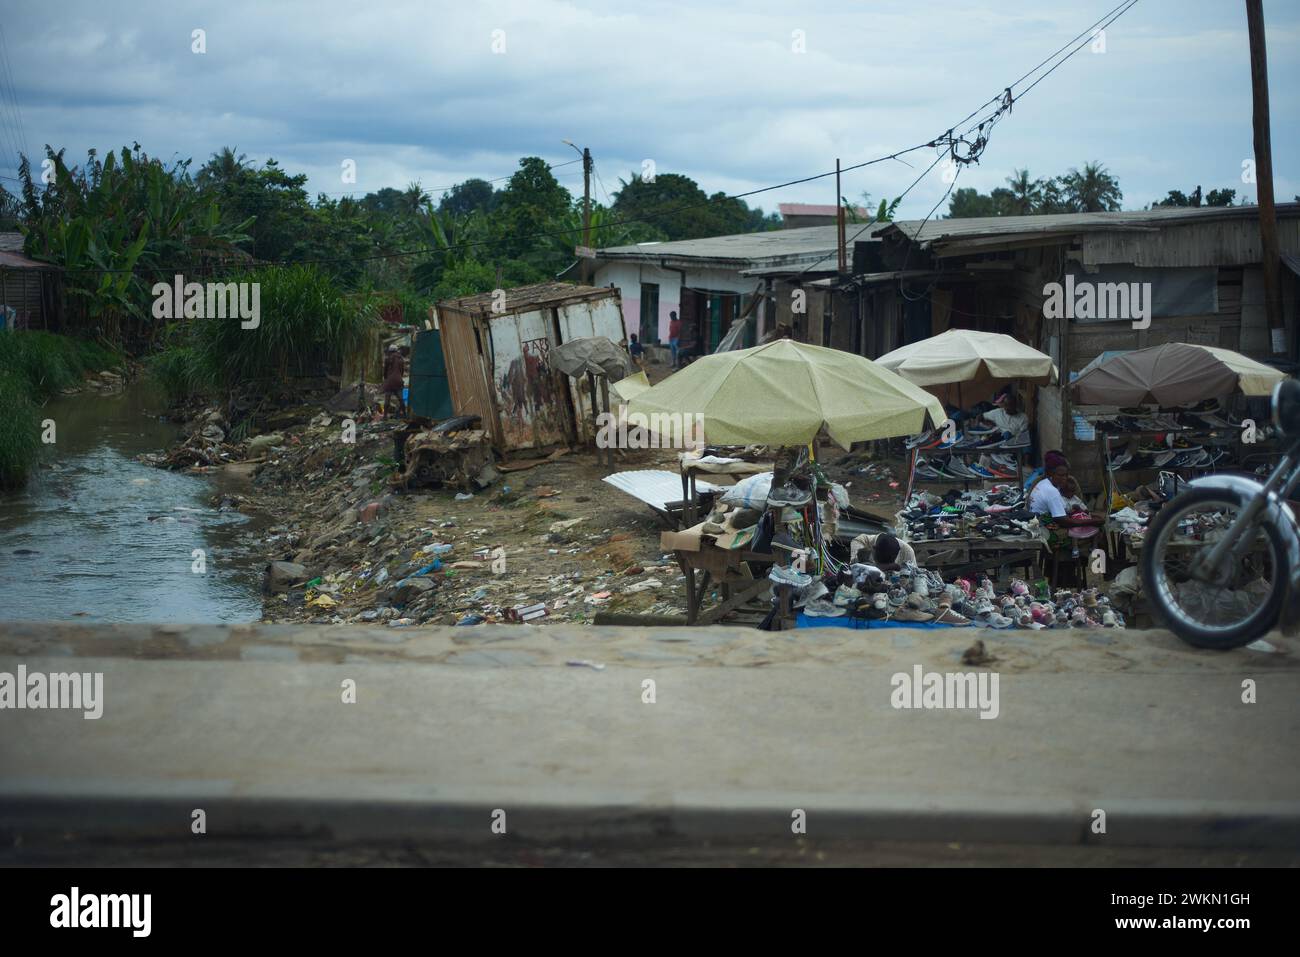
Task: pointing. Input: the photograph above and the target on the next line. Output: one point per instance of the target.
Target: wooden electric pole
(585, 271)
(1264, 177)
(839, 223)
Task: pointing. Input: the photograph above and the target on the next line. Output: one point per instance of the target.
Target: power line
(1005, 101)
(20, 127)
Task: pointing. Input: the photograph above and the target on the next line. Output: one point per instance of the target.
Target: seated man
(1047, 499)
(886, 551)
(1006, 416)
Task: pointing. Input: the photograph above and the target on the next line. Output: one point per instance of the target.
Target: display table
(728, 569)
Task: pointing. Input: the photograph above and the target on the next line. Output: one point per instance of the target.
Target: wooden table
(727, 568)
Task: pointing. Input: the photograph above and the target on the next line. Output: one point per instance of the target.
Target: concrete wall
(628, 277)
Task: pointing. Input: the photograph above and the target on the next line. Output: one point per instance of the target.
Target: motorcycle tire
(1221, 639)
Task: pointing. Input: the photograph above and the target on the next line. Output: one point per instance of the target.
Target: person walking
(674, 335)
(394, 374)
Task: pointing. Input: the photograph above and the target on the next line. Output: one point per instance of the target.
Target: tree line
(119, 223)
(1093, 189)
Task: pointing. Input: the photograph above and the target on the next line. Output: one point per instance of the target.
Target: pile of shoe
(1128, 421)
(1176, 453)
(978, 453)
(997, 512)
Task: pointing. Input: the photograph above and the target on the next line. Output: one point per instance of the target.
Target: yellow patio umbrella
(979, 359)
(785, 392)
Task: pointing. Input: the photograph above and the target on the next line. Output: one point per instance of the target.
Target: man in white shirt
(1046, 498)
(1006, 416)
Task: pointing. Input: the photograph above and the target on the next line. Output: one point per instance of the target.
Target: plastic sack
(750, 492)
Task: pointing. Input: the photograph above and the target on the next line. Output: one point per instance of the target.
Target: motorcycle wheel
(1159, 576)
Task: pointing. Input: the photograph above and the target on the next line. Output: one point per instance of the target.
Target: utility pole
(586, 207)
(843, 265)
(586, 213)
(1264, 176)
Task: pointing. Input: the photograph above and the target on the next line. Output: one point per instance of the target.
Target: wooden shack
(497, 347)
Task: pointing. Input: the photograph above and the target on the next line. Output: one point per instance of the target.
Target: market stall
(783, 394)
(985, 526)
(1162, 416)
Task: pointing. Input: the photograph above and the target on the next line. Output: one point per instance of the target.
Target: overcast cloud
(414, 91)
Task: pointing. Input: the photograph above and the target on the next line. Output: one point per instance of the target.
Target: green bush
(20, 440)
(47, 363)
(305, 324)
(33, 367)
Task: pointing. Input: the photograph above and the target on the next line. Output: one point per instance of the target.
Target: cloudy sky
(736, 95)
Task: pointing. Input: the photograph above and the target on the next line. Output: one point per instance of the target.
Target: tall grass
(306, 326)
(33, 367)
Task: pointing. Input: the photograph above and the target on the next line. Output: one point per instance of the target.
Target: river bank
(349, 546)
(96, 535)
(35, 367)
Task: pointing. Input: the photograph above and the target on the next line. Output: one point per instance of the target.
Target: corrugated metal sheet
(738, 249)
(523, 298)
(655, 487)
(13, 260)
(1230, 242)
(939, 230)
(499, 363)
(581, 320)
(467, 369)
(527, 389)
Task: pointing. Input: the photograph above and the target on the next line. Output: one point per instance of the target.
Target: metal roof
(812, 209)
(742, 249)
(655, 487)
(11, 254)
(939, 230)
(522, 298)
(10, 260)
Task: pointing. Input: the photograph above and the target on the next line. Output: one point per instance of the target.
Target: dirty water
(98, 536)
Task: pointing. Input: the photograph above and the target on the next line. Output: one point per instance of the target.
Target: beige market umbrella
(1176, 373)
(965, 355)
(784, 392)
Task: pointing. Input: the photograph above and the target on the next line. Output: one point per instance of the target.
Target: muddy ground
(553, 535)
(567, 540)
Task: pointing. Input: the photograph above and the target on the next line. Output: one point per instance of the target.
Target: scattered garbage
(527, 612)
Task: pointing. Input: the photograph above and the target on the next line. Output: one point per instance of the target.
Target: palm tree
(222, 167)
(1026, 193)
(414, 198)
(1092, 191)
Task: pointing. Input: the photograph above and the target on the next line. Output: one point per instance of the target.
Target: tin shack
(497, 349)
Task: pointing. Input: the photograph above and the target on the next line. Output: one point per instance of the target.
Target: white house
(700, 280)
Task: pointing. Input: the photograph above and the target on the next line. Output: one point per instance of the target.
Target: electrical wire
(974, 150)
